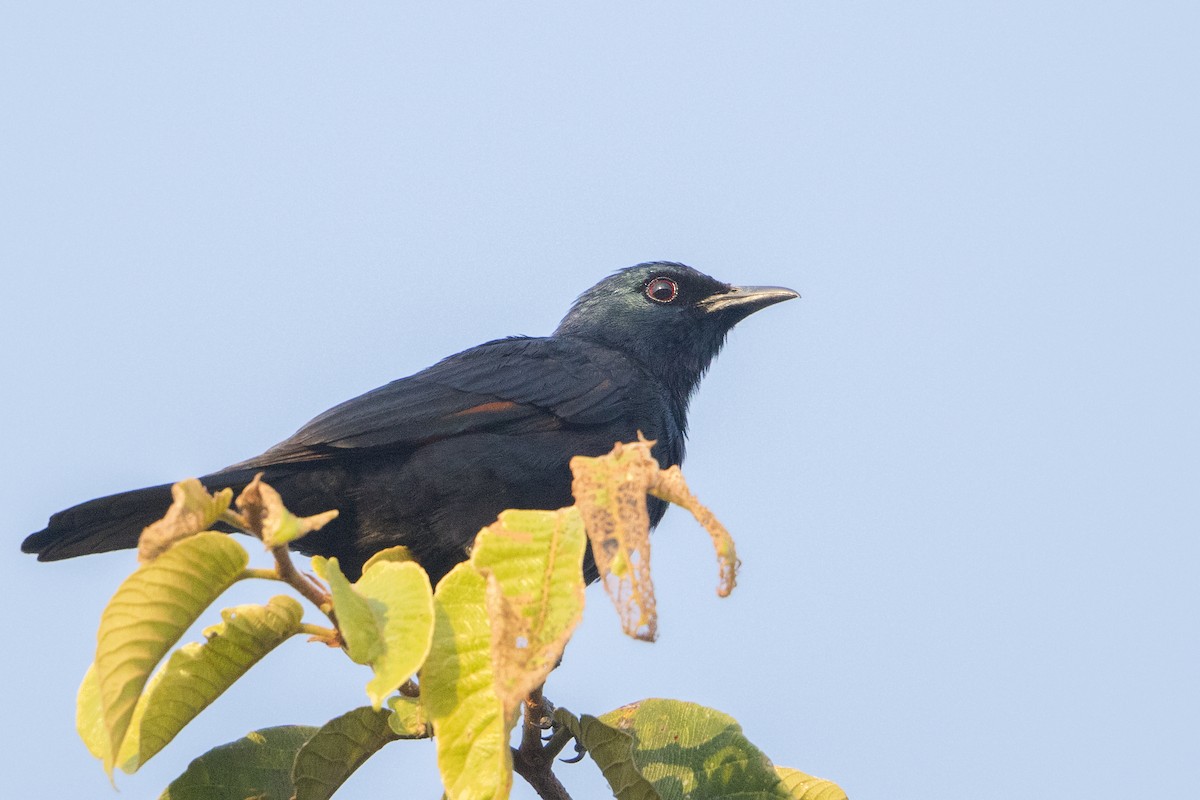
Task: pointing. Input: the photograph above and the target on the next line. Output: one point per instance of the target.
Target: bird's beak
(742, 301)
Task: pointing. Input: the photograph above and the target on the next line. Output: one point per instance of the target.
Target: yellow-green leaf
(612, 750)
(192, 510)
(197, 674)
(341, 746)
(398, 553)
(148, 614)
(401, 600)
(408, 718)
(257, 767)
(459, 695)
(386, 619)
(689, 751)
(805, 787)
(533, 561)
(268, 518)
(89, 715)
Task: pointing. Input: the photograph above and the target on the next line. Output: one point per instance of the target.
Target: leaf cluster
(463, 662)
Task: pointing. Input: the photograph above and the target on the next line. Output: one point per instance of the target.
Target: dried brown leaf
(669, 485)
(610, 493)
(192, 510)
(269, 519)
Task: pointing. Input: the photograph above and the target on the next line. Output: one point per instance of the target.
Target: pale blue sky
(962, 471)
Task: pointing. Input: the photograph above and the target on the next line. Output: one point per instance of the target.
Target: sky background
(962, 471)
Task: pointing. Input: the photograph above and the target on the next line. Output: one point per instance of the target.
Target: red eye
(662, 290)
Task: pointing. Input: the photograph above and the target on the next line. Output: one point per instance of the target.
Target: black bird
(428, 460)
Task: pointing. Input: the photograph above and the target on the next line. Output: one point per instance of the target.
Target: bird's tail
(114, 522)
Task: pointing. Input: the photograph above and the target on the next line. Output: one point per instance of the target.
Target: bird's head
(670, 317)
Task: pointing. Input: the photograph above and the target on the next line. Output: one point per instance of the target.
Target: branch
(531, 760)
(540, 778)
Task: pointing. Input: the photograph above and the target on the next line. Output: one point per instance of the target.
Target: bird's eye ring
(662, 290)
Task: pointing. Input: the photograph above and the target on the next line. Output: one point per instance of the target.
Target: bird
(428, 460)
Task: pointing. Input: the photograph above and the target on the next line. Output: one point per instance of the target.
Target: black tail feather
(114, 522)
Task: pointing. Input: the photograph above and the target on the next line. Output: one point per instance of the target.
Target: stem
(286, 572)
(301, 583)
(329, 636)
(255, 572)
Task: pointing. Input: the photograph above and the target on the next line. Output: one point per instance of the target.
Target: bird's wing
(509, 385)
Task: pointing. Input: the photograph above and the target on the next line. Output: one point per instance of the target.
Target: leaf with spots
(612, 750)
(610, 493)
(686, 750)
(533, 562)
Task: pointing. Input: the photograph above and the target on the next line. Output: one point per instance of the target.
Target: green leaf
(386, 620)
(192, 510)
(337, 749)
(805, 787)
(533, 561)
(147, 615)
(689, 751)
(458, 691)
(196, 674)
(355, 619)
(612, 750)
(258, 766)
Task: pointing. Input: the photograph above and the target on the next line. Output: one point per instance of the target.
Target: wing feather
(509, 385)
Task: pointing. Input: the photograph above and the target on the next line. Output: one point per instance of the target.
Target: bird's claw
(580, 752)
